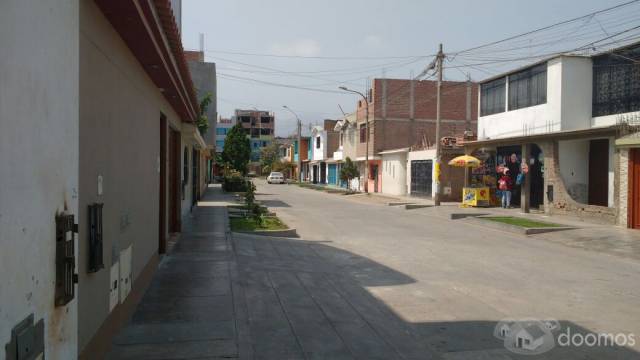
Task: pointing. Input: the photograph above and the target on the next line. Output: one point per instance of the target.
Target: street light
(366, 155)
(299, 141)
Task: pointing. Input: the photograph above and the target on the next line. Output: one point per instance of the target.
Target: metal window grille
(65, 259)
(95, 238)
(616, 82)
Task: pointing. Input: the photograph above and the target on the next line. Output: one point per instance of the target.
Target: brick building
(402, 113)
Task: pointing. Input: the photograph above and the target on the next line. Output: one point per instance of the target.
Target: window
(363, 133)
(220, 144)
(616, 82)
(265, 119)
(492, 96)
(318, 142)
(264, 143)
(255, 133)
(265, 131)
(245, 119)
(221, 131)
(528, 87)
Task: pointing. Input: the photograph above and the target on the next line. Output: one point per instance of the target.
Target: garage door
(421, 177)
(333, 174)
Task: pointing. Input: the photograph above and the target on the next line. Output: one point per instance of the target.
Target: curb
(516, 229)
(398, 203)
(290, 233)
(416, 206)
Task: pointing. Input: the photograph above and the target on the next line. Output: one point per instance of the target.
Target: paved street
(450, 280)
(368, 281)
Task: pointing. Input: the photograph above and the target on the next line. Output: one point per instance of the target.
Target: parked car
(275, 178)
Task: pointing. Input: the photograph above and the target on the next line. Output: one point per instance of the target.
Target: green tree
(269, 155)
(237, 149)
(203, 119)
(349, 171)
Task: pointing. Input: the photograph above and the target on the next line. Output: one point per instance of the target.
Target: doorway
(421, 177)
(633, 218)
(323, 173)
(374, 176)
(536, 171)
(162, 216)
(599, 172)
(174, 181)
(195, 177)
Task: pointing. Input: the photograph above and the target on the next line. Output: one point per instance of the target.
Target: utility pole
(299, 133)
(439, 69)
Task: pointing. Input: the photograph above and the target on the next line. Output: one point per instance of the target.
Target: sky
(317, 46)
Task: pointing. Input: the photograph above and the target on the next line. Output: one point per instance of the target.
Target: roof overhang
(604, 131)
(394, 151)
(149, 29)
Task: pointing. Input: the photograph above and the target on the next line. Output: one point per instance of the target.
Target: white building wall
(573, 156)
(576, 90)
(420, 155)
(394, 173)
(321, 152)
(568, 106)
(39, 117)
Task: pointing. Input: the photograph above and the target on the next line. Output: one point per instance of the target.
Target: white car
(275, 178)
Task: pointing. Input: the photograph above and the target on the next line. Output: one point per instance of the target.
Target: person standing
(505, 185)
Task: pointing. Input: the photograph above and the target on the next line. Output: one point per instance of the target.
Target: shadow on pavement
(231, 295)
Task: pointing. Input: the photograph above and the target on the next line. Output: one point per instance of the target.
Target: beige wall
(38, 163)
(120, 110)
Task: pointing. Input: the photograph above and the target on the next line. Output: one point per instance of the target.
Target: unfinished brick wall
(623, 188)
(394, 123)
(562, 202)
(197, 56)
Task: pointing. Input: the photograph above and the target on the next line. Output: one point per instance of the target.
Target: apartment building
(260, 128)
(222, 129)
(561, 121)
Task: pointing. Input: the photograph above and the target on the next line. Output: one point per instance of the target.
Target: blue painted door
(333, 174)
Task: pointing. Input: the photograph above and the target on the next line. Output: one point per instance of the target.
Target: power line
(547, 27)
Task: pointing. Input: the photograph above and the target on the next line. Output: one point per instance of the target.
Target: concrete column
(525, 187)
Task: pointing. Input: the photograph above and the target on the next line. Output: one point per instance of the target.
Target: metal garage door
(421, 177)
(333, 174)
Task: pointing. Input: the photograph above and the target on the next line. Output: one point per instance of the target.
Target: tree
(269, 155)
(203, 119)
(237, 149)
(349, 171)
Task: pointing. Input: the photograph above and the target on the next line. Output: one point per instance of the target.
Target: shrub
(233, 181)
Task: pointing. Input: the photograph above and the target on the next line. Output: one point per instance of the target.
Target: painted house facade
(106, 149)
(562, 118)
(323, 141)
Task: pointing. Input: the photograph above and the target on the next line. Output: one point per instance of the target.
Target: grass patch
(249, 224)
(525, 223)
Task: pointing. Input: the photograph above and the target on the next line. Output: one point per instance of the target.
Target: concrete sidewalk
(230, 295)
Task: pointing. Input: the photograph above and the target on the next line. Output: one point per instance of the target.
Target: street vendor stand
(481, 190)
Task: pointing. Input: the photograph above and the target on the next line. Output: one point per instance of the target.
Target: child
(505, 185)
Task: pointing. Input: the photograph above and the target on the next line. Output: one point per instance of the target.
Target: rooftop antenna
(202, 42)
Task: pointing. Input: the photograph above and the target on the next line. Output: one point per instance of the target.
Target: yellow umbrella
(465, 161)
